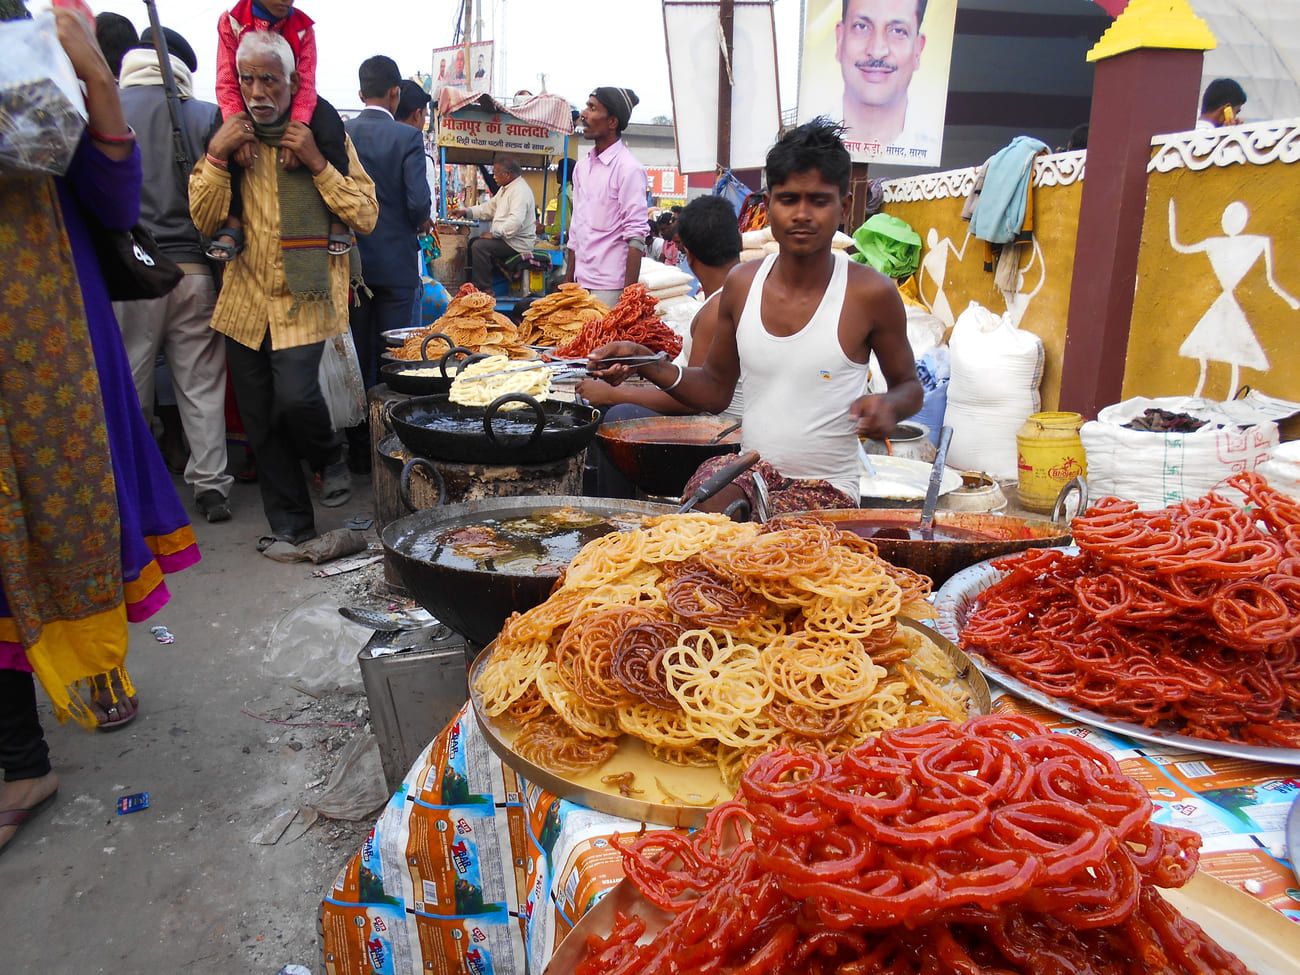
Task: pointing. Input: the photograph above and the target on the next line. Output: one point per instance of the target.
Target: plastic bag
(732, 190)
(42, 111)
(433, 296)
(933, 370)
(315, 648)
(341, 383)
(889, 245)
(996, 369)
(924, 333)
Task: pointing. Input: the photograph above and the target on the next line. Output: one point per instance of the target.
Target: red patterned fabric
(549, 110)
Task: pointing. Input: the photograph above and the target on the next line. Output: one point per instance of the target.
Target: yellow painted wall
(1056, 210)
(1175, 291)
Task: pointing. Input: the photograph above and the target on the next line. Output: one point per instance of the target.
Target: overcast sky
(578, 44)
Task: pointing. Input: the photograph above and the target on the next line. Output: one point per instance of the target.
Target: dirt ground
(183, 886)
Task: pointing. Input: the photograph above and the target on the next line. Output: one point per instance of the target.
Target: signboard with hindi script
(469, 133)
(880, 66)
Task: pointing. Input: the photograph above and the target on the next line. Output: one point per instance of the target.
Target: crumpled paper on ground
(356, 787)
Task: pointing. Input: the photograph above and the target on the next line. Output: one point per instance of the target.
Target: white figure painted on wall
(935, 266)
(1010, 277)
(1224, 334)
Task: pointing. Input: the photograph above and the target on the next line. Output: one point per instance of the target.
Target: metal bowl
(660, 453)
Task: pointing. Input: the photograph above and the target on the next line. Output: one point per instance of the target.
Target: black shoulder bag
(133, 266)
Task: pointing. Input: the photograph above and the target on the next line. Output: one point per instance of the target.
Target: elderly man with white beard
(285, 294)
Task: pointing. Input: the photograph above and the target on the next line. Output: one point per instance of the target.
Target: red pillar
(1135, 95)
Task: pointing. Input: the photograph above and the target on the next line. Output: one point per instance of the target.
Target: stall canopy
(473, 127)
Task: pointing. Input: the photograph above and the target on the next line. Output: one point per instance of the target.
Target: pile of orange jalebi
(1186, 618)
(633, 319)
(993, 846)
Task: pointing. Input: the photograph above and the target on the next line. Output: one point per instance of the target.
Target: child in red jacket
(280, 17)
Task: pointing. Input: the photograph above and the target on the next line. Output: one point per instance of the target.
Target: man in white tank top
(799, 328)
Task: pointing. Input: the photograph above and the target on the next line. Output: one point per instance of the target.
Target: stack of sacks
(752, 243)
(663, 280)
(671, 287)
(757, 244)
(678, 314)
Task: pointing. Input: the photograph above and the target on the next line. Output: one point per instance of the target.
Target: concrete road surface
(181, 886)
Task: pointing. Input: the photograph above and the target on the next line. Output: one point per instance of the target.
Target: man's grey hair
(264, 43)
(510, 164)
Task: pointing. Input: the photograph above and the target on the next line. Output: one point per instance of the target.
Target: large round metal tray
(955, 601)
(1260, 936)
(701, 788)
(398, 336)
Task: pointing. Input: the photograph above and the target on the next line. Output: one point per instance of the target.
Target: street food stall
(473, 129)
(739, 744)
(852, 741)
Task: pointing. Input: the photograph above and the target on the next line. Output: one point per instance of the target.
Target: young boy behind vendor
(799, 329)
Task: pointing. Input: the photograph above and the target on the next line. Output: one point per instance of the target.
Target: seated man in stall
(798, 328)
(513, 212)
(711, 241)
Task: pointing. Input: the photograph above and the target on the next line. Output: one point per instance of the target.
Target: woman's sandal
(222, 251)
(340, 244)
(115, 714)
(17, 818)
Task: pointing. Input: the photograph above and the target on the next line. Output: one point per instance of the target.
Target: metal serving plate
(903, 479)
(1261, 937)
(398, 336)
(702, 788)
(955, 601)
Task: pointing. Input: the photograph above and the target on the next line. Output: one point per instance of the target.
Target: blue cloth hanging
(732, 190)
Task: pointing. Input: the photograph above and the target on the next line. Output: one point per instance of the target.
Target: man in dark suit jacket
(393, 155)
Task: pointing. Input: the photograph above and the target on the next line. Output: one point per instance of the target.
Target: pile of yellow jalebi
(714, 643)
(472, 322)
(559, 317)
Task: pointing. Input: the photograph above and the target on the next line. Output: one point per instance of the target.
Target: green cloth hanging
(889, 245)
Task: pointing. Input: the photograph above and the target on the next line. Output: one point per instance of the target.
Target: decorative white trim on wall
(931, 186)
(1060, 168)
(1055, 169)
(1257, 144)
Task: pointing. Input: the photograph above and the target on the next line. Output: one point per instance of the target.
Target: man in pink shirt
(607, 237)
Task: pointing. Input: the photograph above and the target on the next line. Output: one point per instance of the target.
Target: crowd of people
(291, 228)
(288, 229)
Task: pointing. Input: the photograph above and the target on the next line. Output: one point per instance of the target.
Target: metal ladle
(936, 479)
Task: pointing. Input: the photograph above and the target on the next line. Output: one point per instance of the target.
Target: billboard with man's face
(880, 66)
(451, 68)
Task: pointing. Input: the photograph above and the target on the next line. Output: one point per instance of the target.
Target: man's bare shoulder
(741, 276)
(865, 282)
(872, 302)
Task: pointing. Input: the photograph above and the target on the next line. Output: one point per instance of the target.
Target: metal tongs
(570, 368)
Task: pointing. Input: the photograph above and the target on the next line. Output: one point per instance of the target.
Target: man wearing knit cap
(607, 237)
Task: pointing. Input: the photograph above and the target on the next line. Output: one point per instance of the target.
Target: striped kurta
(254, 294)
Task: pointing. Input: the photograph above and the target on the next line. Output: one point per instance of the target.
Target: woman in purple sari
(89, 519)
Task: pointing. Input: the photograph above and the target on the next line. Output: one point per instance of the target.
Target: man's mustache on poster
(874, 64)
